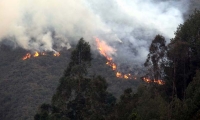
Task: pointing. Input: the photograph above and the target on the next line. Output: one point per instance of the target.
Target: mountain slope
(24, 85)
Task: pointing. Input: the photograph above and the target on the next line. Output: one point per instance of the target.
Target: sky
(128, 26)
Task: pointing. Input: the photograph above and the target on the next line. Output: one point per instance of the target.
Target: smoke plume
(126, 25)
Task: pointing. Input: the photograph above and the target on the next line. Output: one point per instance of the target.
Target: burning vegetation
(37, 54)
(56, 54)
(104, 48)
(147, 80)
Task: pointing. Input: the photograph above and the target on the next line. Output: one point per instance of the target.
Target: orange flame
(114, 66)
(37, 54)
(111, 64)
(160, 82)
(103, 49)
(119, 75)
(56, 54)
(27, 56)
(126, 76)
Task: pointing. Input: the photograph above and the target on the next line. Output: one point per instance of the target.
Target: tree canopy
(80, 97)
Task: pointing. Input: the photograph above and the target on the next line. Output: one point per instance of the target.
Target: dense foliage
(81, 97)
(24, 85)
(81, 94)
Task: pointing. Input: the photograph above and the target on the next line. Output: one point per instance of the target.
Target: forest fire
(111, 64)
(27, 56)
(56, 54)
(103, 48)
(37, 54)
(160, 82)
(119, 75)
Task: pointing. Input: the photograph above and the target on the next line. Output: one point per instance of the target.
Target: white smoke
(31, 22)
(136, 22)
(41, 24)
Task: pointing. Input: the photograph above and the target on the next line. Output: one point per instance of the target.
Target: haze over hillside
(25, 84)
(127, 26)
(53, 26)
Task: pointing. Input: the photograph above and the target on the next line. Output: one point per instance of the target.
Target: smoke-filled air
(99, 59)
(127, 26)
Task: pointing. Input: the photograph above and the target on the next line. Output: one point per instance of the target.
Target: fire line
(37, 54)
(101, 45)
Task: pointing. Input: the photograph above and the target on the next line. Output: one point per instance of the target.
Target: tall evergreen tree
(78, 96)
(184, 54)
(193, 98)
(70, 82)
(156, 58)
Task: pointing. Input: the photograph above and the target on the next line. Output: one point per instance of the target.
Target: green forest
(82, 96)
(79, 82)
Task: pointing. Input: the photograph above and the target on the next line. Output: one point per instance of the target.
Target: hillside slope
(26, 84)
